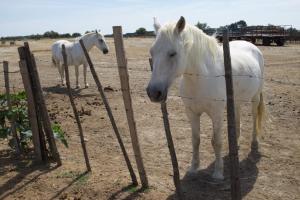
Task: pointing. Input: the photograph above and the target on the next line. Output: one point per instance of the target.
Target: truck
(266, 34)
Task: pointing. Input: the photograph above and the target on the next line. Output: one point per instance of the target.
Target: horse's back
(247, 68)
(57, 49)
(249, 48)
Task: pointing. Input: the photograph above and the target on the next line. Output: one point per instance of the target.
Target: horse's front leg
(84, 75)
(195, 123)
(77, 74)
(217, 145)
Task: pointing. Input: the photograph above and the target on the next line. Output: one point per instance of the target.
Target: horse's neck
(88, 41)
(206, 61)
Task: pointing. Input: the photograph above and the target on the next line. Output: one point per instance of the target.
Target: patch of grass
(69, 174)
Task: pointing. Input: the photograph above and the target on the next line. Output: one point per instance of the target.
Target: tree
(76, 35)
(51, 34)
(202, 26)
(141, 31)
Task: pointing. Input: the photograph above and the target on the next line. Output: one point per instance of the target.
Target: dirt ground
(274, 173)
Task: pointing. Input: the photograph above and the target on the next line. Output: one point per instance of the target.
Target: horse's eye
(101, 40)
(172, 54)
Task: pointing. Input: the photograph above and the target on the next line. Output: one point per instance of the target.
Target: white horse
(182, 50)
(75, 53)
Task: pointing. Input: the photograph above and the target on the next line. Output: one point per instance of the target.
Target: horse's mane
(196, 42)
(87, 34)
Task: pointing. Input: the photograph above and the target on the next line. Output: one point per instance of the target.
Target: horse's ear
(180, 25)
(156, 25)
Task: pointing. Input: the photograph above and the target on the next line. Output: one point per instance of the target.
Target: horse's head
(100, 42)
(168, 56)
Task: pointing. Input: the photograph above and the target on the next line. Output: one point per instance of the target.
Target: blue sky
(24, 17)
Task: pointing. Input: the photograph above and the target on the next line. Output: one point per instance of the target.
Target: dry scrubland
(273, 174)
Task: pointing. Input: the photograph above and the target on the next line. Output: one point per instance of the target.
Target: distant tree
(65, 35)
(241, 24)
(141, 31)
(76, 35)
(202, 26)
(51, 34)
(87, 32)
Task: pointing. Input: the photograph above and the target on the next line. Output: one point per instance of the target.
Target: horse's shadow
(58, 89)
(202, 186)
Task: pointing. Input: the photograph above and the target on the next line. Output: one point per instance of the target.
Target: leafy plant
(19, 113)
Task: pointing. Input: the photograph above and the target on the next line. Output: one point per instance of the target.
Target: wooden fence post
(39, 146)
(124, 79)
(232, 140)
(25, 54)
(86, 158)
(176, 175)
(12, 121)
(109, 113)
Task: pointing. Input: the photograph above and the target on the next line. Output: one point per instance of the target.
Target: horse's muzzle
(105, 51)
(156, 95)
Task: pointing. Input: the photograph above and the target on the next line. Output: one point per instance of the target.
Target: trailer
(266, 34)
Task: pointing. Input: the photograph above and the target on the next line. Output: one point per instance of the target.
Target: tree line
(47, 34)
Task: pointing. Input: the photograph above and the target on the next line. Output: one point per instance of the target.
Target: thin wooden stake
(86, 158)
(12, 121)
(232, 140)
(40, 150)
(176, 175)
(110, 115)
(124, 79)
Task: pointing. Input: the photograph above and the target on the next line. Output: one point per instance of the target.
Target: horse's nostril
(158, 94)
(105, 51)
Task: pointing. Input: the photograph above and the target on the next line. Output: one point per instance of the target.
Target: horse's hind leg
(237, 122)
(195, 123)
(217, 145)
(77, 74)
(255, 103)
(84, 75)
(61, 72)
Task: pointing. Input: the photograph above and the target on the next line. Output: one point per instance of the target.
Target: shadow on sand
(202, 186)
(63, 90)
(23, 166)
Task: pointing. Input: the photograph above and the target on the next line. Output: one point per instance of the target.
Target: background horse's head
(169, 56)
(100, 42)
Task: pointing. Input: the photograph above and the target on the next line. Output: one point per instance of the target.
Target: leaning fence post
(109, 113)
(87, 162)
(176, 175)
(25, 54)
(39, 146)
(12, 120)
(232, 140)
(124, 79)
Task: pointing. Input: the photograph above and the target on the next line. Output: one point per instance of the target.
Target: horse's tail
(260, 114)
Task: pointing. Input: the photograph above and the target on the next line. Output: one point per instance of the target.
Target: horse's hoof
(192, 171)
(86, 85)
(254, 145)
(218, 176)
(77, 86)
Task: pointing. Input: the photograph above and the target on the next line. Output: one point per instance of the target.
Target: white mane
(196, 42)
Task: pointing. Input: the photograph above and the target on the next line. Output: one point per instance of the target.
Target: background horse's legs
(238, 121)
(195, 123)
(217, 144)
(86, 85)
(61, 72)
(255, 103)
(77, 74)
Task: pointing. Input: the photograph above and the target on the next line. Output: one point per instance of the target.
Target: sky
(25, 17)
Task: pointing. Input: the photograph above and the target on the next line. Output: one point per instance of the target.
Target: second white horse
(75, 54)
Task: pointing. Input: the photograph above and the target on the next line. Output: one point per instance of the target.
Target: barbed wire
(13, 72)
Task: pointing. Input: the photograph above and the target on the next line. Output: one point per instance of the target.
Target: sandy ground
(274, 173)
